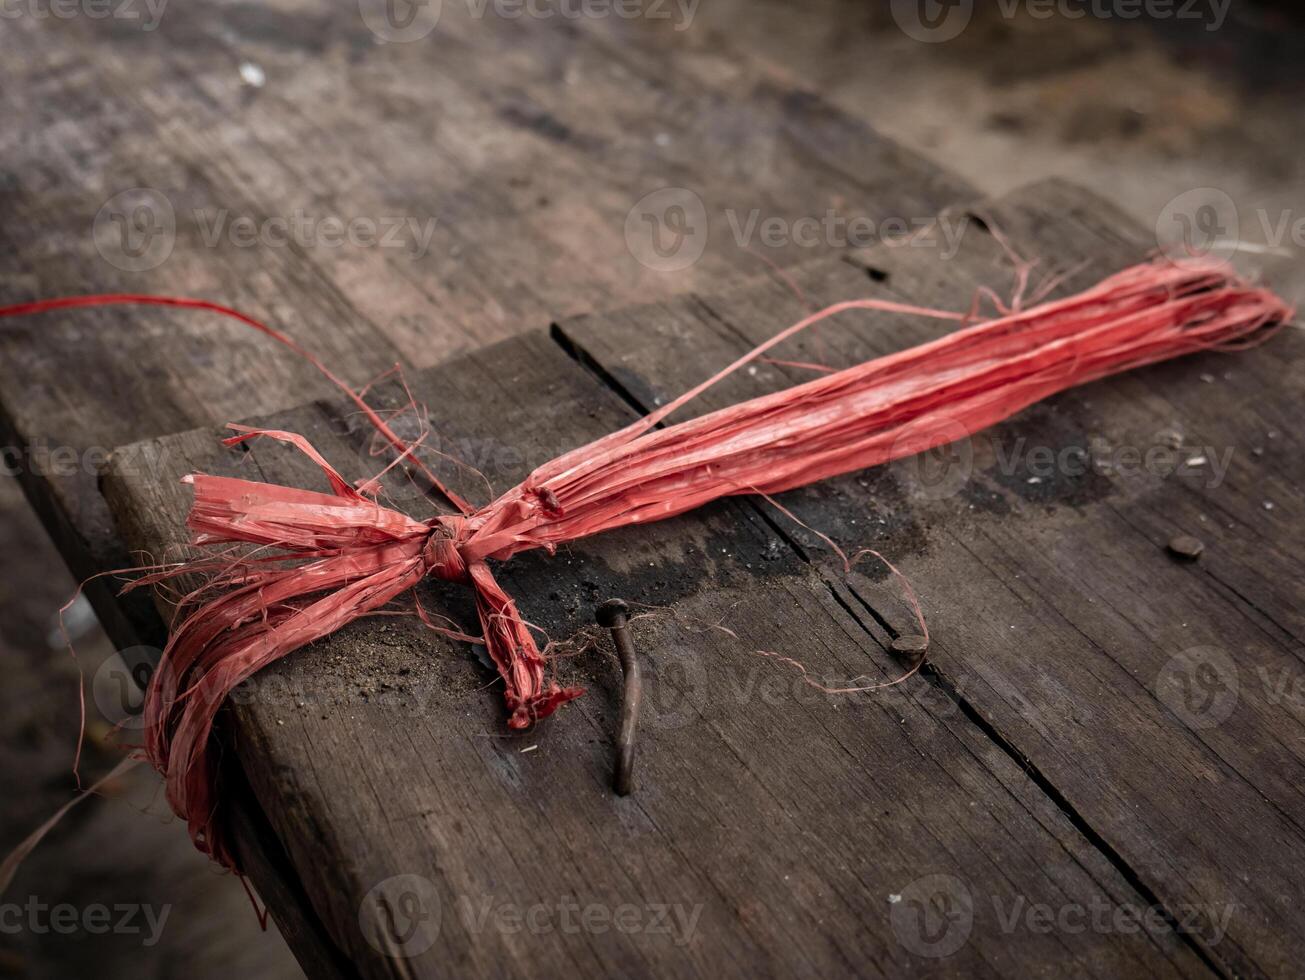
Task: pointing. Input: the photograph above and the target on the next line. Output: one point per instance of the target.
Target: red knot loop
(443, 551)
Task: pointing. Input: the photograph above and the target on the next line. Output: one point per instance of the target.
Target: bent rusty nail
(615, 615)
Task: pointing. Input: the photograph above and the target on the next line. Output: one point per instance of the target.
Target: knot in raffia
(443, 552)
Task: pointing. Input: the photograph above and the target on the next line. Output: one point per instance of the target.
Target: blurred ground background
(1141, 111)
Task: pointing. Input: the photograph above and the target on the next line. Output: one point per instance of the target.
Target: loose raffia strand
(346, 556)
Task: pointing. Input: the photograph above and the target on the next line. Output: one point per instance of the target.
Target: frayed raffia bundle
(342, 555)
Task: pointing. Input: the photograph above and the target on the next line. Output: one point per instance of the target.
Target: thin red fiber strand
(135, 299)
(346, 556)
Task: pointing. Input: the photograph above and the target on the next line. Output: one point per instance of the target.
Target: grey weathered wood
(263, 858)
(792, 819)
(526, 141)
(1055, 610)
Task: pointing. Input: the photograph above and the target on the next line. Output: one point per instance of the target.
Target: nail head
(613, 612)
(911, 643)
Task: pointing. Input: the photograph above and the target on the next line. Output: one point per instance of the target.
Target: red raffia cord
(345, 556)
(137, 299)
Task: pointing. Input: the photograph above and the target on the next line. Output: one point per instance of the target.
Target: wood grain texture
(495, 162)
(1157, 700)
(517, 146)
(778, 829)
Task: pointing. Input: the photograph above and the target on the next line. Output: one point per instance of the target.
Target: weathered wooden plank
(512, 152)
(786, 830)
(1159, 699)
(264, 860)
(508, 136)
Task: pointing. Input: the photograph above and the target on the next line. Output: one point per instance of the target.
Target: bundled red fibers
(341, 555)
